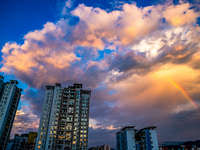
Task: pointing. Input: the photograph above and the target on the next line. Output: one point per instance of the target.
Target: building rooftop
(86, 91)
(58, 84)
(151, 127)
(128, 127)
(1, 77)
(14, 81)
(77, 85)
(49, 87)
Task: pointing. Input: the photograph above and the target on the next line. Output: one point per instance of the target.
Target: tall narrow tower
(9, 99)
(64, 119)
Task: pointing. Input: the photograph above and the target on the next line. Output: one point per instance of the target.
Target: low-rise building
(102, 147)
(23, 142)
(20, 142)
(130, 139)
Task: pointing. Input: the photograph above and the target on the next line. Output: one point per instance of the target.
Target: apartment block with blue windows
(131, 139)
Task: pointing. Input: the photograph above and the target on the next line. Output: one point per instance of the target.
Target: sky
(140, 59)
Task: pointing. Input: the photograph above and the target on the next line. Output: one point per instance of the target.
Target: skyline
(140, 59)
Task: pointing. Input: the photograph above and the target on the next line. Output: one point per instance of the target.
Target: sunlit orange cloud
(184, 93)
(180, 14)
(39, 35)
(154, 91)
(44, 51)
(124, 26)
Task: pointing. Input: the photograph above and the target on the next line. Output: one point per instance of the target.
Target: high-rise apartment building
(64, 119)
(130, 139)
(9, 99)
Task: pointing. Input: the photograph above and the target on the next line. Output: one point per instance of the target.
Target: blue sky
(126, 52)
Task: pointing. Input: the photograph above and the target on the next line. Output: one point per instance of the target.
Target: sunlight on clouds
(154, 89)
(176, 38)
(94, 124)
(20, 112)
(61, 61)
(180, 14)
(41, 35)
(150, 46)
(112, 75)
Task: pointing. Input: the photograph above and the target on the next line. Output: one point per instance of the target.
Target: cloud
(97, 138)
(119, 27)
(125, 31)
(43, 52)
(25, 121)
(180, 14)
(67, 6)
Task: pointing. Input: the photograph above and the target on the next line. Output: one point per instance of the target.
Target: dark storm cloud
(182, 125)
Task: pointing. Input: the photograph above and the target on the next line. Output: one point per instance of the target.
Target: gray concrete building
(9, 99)
(64, 119)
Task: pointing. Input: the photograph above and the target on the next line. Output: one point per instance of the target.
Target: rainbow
(184, 93)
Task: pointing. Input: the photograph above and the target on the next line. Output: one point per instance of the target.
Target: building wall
(1, 85)
(147, 140)
(9, 99)
(31, 137)
(20, 142)
(119, 141)
(126, 139)
(154, 139)
(65, 118)
(130, 139)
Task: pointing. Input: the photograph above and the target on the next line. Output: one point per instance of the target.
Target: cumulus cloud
(43, 52)
(55, 46)
(180, 14)
(118, 27)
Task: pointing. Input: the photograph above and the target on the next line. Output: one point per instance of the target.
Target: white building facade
(9, 100)
(64, 119)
